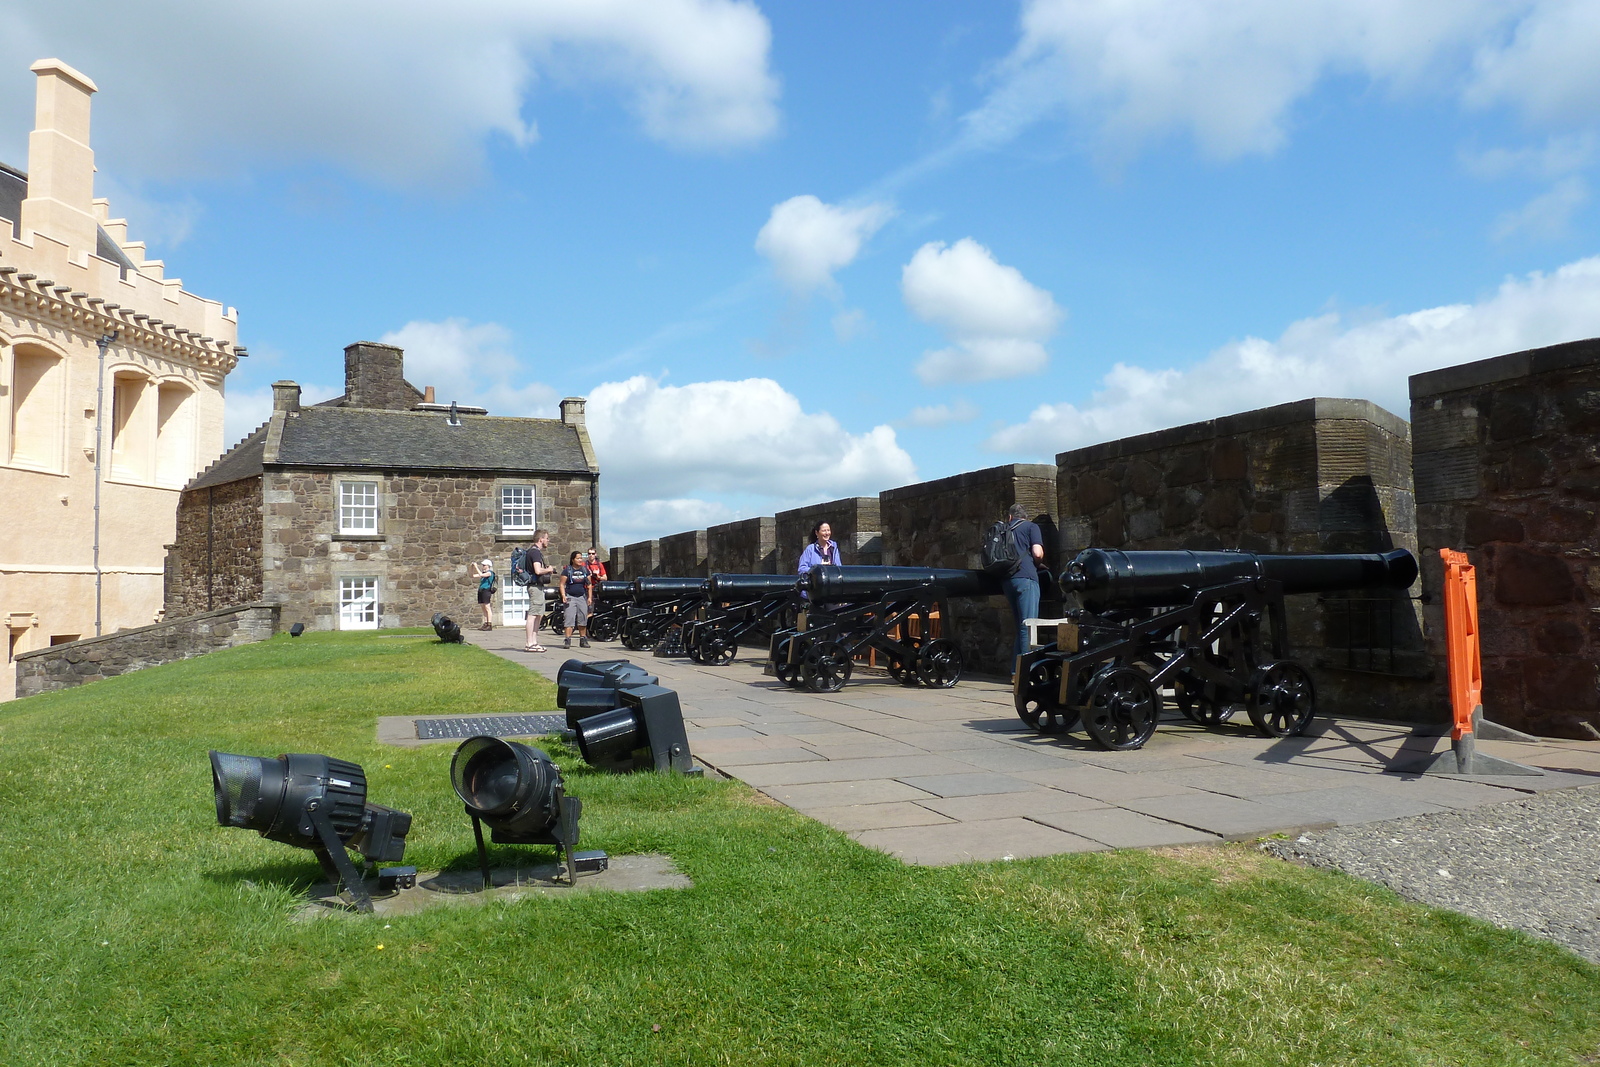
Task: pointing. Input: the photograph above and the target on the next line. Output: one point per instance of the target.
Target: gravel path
(1532, 864)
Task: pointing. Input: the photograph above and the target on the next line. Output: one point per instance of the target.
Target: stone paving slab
(948, 776)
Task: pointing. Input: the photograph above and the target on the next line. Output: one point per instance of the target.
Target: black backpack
(520, 573)
(1000, 556)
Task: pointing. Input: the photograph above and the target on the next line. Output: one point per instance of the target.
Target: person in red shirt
(597, 570)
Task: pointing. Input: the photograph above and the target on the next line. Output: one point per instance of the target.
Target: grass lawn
(134, 930)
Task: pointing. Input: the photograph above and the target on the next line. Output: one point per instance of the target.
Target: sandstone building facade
(367, 510)
(111, 392)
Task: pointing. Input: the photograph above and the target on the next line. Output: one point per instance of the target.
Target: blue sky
(800, 250)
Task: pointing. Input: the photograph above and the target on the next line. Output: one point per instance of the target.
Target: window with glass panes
(358, 507)
(358, 603)
(516, 508)
(513, 604)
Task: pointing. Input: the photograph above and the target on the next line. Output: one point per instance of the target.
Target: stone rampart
(1507, 469)
(683, 555)
(941, 524)
(90, 660)
(856, 528)
(642, 559)
(748, 546)
(1321, 475)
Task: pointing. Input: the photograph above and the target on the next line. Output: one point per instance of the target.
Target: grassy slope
(134, 930)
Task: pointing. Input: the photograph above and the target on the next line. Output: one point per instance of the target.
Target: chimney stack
(572, 411)
(60, 201)
(286, 397)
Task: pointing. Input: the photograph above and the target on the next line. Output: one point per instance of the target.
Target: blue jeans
(1023, 593)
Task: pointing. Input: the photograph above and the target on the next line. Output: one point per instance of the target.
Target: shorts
(535, 601)
(486, 596)
(577, 611)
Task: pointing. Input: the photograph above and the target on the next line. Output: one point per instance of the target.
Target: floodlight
(297, 629)
(517, 790)
(448, 629)
(584, 689)
(310, 801)
(644, 731)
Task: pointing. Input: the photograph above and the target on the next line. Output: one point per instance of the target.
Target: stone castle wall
(749, 546)
(1508, 469)
(942, 523)
(642, 559)
(216, 560)
(1313, 476)
(67, 665)
(683, 555)
(856, 527)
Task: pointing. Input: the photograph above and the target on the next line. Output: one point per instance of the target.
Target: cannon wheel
(788, 673)
(826, 667)
(637, 638)
(1123, 708)
(939, 664)
(1283, 699)
(716, 647)
(904, 671)
(1037, 699)
(603, 629)
(1200, 703)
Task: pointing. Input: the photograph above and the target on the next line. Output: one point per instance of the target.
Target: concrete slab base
(451, 889)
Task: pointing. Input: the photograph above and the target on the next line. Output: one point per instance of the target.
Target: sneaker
(567, 643)
(583, 642)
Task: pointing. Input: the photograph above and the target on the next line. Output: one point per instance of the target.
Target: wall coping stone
(1046, 471)
(1314, 409)
(123, 635)
(1505, 368)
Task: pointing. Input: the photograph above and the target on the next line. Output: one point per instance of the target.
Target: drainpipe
(594, 511)
(99, 422)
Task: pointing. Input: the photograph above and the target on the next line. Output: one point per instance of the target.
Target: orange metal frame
(1461, 639)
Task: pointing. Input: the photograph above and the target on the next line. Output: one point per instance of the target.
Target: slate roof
(353, 438)
(14, 190)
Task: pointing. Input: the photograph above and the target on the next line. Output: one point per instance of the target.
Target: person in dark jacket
(1022, 588)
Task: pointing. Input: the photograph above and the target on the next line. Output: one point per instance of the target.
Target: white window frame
(514, 602)
(358, 602)
(358, 515)
(530, 509)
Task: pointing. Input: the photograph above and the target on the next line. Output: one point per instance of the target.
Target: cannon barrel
(1112, 578)
(871, 583)
(660, 590)
(608, 591)
(750, 586)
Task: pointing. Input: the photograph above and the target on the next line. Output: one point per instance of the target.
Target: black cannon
(740, 607)
(657, 604)
(611, 600)
(1206, 627)
(853, 610)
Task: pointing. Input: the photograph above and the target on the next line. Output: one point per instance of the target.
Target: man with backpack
(1012, 551)
(533, 571)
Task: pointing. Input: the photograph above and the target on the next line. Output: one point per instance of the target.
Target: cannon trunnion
(1206, 627)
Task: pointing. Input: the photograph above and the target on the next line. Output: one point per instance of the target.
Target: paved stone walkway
(948, 776)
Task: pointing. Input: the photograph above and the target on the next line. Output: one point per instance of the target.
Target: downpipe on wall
(103, 343)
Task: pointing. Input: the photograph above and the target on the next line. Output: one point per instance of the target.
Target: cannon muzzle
(660, 590)
(1110, 578)
(745, 587)
(872, 583)
(611, 591)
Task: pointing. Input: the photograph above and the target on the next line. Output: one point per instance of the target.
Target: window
(36, 408)
(358, 507)
(516, 508)
(513, 604)
(358, 603)
(174, 434)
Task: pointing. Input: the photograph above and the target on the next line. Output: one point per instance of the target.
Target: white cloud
(245, 409)
(470, 364)
(1322, 356)
(942, 414)
(850, 324)
(641, 520)
(1557, 157)
(663, 442)
(407, 91)
(996, 318)
(1546, 215)
(1229, 74)
(807, 240)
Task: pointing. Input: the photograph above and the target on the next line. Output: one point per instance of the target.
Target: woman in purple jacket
(823, 551)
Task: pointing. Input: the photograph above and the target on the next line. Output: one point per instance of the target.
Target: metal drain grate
(490, 726)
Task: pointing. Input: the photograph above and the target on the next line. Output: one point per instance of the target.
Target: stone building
(1508, 470)
(111, 392)
(367, 510)
(1322, 475)
(942, 523)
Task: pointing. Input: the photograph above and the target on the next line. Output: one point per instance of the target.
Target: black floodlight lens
(297, 629)
(448, 629)
(309, 801)
(608, 739)
(513, 787)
